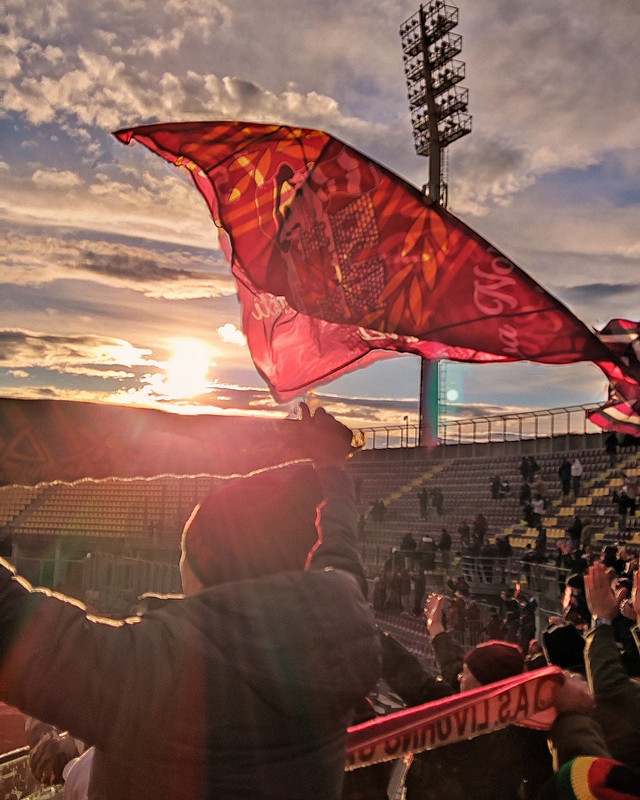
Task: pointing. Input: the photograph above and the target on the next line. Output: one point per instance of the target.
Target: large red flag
(337, 260)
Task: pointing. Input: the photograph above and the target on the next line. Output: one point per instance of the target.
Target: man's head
(258, 525)
(489, 662)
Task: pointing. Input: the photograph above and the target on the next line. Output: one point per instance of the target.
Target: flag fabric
(526, 699)
(338, 260)
(622, 410)
(64, 440)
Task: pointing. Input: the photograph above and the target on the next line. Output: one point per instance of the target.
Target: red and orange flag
(338, 260)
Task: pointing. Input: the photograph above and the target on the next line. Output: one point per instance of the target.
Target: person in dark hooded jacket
(244, 687)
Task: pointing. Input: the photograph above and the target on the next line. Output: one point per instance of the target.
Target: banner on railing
(526, 699)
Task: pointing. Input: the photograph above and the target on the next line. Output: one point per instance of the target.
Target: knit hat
(258, 525)
(588, 778)
(494, 661)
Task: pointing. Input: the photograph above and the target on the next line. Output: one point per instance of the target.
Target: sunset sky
(113, 287)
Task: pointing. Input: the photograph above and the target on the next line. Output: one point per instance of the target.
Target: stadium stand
(465, 483)
(52, 527)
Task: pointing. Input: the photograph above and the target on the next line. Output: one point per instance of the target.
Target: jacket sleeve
(574, 735)
(617, 696)
(407, 677)
(337, 545)
(69, 669)
(449, 658)
(607, 677)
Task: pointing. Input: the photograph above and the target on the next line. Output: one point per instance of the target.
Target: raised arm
(328, 443)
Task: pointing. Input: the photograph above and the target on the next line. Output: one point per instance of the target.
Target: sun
(188, 368)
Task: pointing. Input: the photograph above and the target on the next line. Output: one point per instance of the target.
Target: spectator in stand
(508, 603)
(574, 602)
(444, 545)
(408, 545)
(488, 554)
(50, 750)
(242, 688)
(504, 552)
(427, 553)
(437, 500)
(464, 536)
(394, 603)
(458, 614)
(611, 448)
(530, 519)
(574, 531)
(617, 694)
(537, 507)
(504, 546)
(419, 588)
(564, 473)
(532, 469)
(577, 471)
(526, 632)
(539, 487)
(394, 563)
(612, 560)
(459, 586)
(379, 593)
(474, 623)
(524, 469)
(479, 528)
(493, 628)
(524, 496)
(625, 500)
(405, 591)
(423, 503)
(510, 628)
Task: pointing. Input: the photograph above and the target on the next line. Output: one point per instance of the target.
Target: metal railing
(569, 423)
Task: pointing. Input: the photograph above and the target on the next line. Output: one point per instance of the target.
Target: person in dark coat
(244, 687)
(444, 545)
(423, 503)
(564, 473)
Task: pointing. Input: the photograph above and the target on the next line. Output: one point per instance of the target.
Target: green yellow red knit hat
(588, 778)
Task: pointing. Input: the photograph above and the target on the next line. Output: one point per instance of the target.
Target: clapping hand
(600, 597)
(433, 614)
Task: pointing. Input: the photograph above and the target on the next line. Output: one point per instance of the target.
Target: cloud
(170, 274)
(20, 349)
(60, 179)
(232, 335)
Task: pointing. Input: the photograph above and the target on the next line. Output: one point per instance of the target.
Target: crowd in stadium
(244, 687)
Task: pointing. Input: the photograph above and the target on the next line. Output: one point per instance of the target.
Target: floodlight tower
(438, 107)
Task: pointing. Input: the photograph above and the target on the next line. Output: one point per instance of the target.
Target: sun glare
(188, 368)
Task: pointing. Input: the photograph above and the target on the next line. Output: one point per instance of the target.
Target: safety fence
(567, 427)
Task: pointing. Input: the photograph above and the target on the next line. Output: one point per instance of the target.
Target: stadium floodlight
(438, 107)
(437, 103)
